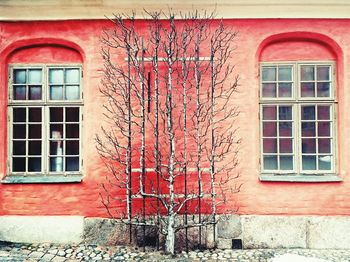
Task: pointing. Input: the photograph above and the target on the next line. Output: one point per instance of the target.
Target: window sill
(317, 178)
(52, 179)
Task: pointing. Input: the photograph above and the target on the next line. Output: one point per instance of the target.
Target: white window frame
(45, 103)
(296, 101)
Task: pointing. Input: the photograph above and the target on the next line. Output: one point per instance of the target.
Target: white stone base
(41, 229)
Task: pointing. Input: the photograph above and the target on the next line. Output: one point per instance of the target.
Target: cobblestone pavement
(60, 253)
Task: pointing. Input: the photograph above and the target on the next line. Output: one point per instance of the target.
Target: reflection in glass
(270, 145)
(286, 145)
(269, 74)
(325, 162)
(270, 129)
(269, 90)
(56, 147)
(285, 73)
(323, 89)
(34, 92)
(56, 76)
(270, 162)
(323, 112)
(308, 145)
(19, 93)
(324, 145)
(285, 90)
(34, 76)
(309, 162)
(308, 112)
(72, 76)
(19, 76)
(56, 92)
(285, 128)
(56, 164)
(323, 73)
(285, 113)
(308, 129)
(72, 92)
(307, 89)
(324, 129)
(307, 73)
(286, 162)
(56, 131)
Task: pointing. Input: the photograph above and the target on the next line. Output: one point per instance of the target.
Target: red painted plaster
(258, 38)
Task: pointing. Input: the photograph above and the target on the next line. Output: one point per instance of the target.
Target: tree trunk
(170, 237)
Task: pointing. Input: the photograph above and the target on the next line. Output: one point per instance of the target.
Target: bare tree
(170, 137)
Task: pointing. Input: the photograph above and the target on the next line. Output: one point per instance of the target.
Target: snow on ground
(296, 258)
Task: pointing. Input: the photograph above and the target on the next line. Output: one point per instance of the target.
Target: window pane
(324, 129)
(72, 147)
(18, 164)
(307, 73)
(72, 76)
(323, 112)
(308, 145)
(323, 73)
(19, 115)
(56, 114)
(285, 129)
(19, 131)
(19, 93)
(19, 76)
(269, 90)
(323, 89)
(325, 162)
(72, 114)
(34, 131)
(35, 93)
(286, 162)
(308, 112)
(34, 164)
(35, 114)
(56, 76)
(269, 74)
(308, 129)
(56, 131)
(34, 147)
(324, 145)
(270, 129)
(56, 92)
(307, 89)
(19, 148)
(286, 145)
(270, 145)
(56, 147)
(72, 130)
(72, 164)
(285, 73)
(34, 76)
(270, 162)
(309, 162)
(285, 89)
(285, 113)
(56, 164)
(72, 92)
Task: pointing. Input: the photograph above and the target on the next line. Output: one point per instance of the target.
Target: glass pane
(308, 145)
(323, 73)
(324, 129)
(72, 164)
(72, 147)
(56, 92)
(269, 74)
(308, 112)
(19, 115)
(323, 89)
(19, 76)
(72, 114)
(72, 92)
(56, 131)
(285, 129)
(323, 112)
(285, 113)
(270, 145)
(19, 131)
(34, 164)
(35, 93)
(309, 162)
(270, 129)
(56, 114)
(324, 145)
(19, 93)
(285, 73)
(56, 76)
(35, 114)
(34, 147)
(34, 131)
(72, 130)
(18, 164)
(308, 129)
(307, 89)
(56, 164)
(270, 162)
(72, 76)
(286, 162)
(19, 148)
(56, 147)
(307, 73)
(325, 162)
(285, 89)
(34, 76)
(269, 90)
(286, 145)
